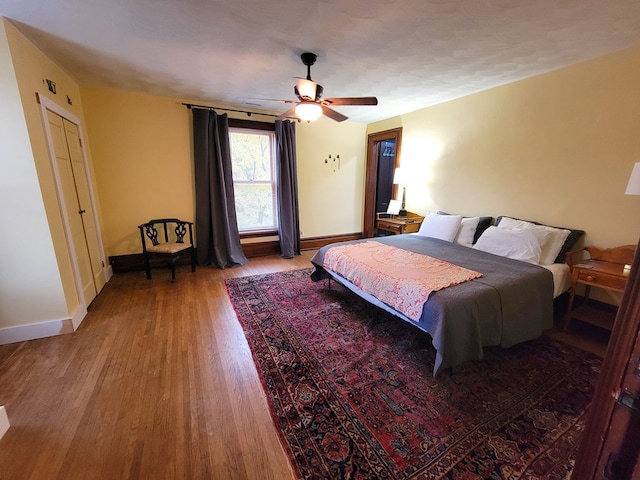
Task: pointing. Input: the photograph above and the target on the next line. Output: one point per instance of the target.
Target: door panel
(386, 169)
(84, 198)
(72, 207)
(611, 440)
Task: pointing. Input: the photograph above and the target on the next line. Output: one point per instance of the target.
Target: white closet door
(74, 211)
(86, 205)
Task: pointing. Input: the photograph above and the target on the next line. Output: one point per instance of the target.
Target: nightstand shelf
(594, 315)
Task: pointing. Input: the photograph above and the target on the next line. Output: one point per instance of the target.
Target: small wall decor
(51, 85)
(334, 162)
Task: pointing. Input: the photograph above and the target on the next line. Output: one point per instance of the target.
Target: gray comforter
(512, 302)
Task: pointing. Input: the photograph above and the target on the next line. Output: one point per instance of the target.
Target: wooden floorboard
(158, 382)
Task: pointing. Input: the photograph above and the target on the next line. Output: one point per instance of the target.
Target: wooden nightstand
(409, 224)
(604, 269)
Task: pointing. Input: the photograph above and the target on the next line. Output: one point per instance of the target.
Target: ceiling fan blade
(289, 113)
(270, 100)
(350, 101)
(338, 117)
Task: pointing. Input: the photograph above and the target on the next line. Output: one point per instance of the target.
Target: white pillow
(554, 241)
(467, 231)
(519, 244)
(443, 227)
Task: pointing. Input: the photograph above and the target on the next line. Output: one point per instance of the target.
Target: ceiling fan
(311, 104)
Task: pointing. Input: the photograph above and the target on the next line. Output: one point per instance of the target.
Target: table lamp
(633, 187)
(398, 179)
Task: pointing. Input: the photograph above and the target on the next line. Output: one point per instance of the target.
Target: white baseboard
(21, 333)
(4, 421)
(77, 318)
(108, 272)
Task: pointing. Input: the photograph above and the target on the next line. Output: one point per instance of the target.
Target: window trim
(251, 124)
(241, 124)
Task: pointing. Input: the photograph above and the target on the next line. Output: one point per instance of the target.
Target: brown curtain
(287, 175)
(218, 239)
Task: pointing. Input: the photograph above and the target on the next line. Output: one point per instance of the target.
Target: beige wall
(331, 194)
(31, 288)
(142, 151)
(557, 148)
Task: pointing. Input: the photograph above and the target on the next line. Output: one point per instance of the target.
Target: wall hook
(333, 161)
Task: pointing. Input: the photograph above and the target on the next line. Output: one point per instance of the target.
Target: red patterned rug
(351, 393)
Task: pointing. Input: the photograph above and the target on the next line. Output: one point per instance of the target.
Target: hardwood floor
(158, 382)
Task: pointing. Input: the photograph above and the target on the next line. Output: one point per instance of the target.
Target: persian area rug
(352, 395)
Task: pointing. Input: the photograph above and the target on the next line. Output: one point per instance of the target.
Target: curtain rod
(208, 107)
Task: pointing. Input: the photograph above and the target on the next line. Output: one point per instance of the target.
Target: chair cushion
(168, 248)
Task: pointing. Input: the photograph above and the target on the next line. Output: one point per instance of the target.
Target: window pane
(254, 206)
(251, 155)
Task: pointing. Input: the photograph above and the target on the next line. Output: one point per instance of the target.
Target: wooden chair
(170, 246)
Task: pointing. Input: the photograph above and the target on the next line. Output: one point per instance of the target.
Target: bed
(511, 302)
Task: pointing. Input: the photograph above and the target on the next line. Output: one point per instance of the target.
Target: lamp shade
(398, 177)
(633, 187)
(308, 111)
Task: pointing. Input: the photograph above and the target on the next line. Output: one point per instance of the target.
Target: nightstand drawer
(392, 227)
(394, 224)
(411, 227)
(602, 279)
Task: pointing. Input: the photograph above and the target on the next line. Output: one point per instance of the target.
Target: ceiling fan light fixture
(306, 89)
(308, 111)
(311, 107)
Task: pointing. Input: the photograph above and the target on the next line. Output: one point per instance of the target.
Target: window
(254, 179)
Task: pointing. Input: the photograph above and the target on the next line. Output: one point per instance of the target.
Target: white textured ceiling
(408, 53)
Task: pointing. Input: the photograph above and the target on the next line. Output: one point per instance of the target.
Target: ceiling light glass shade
(633, 187)
(306, 89)
(308, 111)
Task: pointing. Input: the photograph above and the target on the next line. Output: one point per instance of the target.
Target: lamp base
(403, 213)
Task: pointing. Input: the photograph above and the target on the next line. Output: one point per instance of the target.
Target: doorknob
(81, 211)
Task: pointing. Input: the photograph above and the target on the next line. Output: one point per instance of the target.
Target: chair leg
(193, 260)
(172, 266)
(147, 267)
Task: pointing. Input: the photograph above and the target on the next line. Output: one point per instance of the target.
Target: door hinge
(80, 141)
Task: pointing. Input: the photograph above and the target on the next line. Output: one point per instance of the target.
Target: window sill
(258, 234)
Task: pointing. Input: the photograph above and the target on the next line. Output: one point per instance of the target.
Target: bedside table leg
(567, 316)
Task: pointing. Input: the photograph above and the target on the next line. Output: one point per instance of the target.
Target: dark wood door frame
(604, 440)
(371, 177)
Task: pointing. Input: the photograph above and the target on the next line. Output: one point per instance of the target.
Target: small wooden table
(396, 225)
(606, 269)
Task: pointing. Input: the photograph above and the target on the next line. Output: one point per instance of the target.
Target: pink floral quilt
(400, 278)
